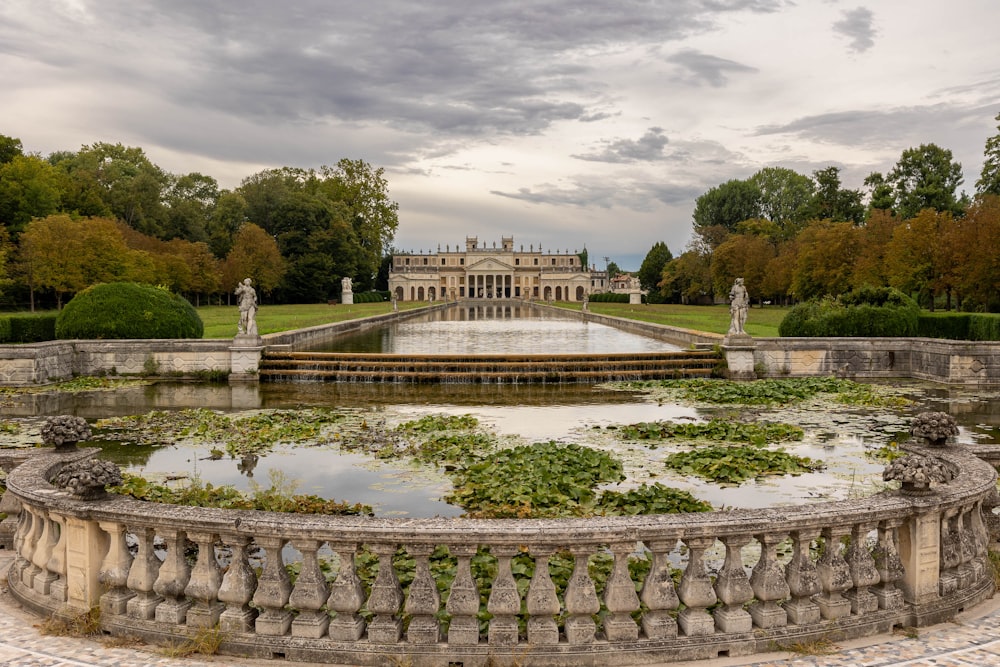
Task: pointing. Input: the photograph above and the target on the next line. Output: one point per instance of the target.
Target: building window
(443, 261)
(461, 261)
(407, 261)
(536, 261)
(517, 262)
(425, 261)
(553, 261)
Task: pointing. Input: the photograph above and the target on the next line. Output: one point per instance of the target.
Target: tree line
(794, 237)
(106, 213)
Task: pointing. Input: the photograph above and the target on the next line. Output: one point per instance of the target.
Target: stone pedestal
(920, 551)
(738, 350)
(244, 357)
(634, 298)
(347, 298)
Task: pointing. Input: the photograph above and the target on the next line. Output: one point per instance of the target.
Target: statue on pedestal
(739, 302)
(247, 300)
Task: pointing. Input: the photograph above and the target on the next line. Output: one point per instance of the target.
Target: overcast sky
(591, 122)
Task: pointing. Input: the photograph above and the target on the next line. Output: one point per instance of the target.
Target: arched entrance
(399, 293)
(548, 293)
(579, 293)
(420, 294)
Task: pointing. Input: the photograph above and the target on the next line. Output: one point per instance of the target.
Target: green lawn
(220, 321)
(762, 322)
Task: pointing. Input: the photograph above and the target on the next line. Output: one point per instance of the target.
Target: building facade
(478, 272)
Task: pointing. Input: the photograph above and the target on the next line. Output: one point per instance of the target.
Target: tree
(651, 271)
(832, 202)
(374, 216)
(825, 256)
(117, 180)
(979, 280)
(916, 258)
(688, 278)
(29, 188)
(613, 269)
(742, 256)
(190, 201)
(989, 177)
(785, 196)
(870, 265)
(880, 194)
(718, 211)
(10, 147)
(925, 177)
(255, 255)
(68, 255)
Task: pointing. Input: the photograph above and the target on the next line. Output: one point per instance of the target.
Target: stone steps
(347, 367)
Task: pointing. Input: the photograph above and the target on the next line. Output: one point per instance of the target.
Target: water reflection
(493, 329)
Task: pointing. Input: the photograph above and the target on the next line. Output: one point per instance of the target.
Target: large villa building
(478, 272)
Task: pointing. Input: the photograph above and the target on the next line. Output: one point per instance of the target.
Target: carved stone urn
(64, 431)
(934, 427)
(87, 479)
(916, 474)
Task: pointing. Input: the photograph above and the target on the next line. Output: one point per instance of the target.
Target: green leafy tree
(742, 256)
(880, 194)
(825, 257)
(925, 177)
(832, 202)
(10, 147)
(688, 278)
(29, 188)
(720, 209)
(651, 271)
(785, 196)
(613, 270)
(226, 218)
(989, 177)
(190, 201)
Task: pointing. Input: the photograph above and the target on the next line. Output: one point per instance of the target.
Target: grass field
(220, 321)
(713, 319)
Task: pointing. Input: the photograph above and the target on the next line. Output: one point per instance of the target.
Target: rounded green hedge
(128, 310)
(866, 311)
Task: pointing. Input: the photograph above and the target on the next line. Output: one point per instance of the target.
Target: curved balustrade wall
(677, 586)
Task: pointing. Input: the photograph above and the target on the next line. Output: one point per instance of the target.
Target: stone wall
(945, 361)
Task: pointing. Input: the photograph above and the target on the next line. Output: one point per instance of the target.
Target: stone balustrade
(600, 591)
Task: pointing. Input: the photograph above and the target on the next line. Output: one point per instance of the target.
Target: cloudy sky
(591, 122)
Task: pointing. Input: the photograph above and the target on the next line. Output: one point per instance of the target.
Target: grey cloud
(698, 68)
(857, 25)
(631, 195)
(648, 148)
(450, 67)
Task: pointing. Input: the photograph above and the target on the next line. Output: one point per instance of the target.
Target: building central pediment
(490, 264)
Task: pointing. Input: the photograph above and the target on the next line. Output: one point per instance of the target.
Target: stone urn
(64, 431)
(916, 474)
(86, 480)
(934, 427)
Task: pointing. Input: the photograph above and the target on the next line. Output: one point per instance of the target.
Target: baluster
(24, 527)
(834, 575)
(803, 580)
(141, 577)
(310, 593)
(423, 601)
(863, 571)
(733, 588)
(203, 588)
(57, 562)
(113, 575)
(385, 599)
(43, 552)
(696, 590)
(463, 599)
(542, 602)
(967, 542)
(504, 601)
(581, 600)
(769, 584)
(977, 526)
(951, 553)
(238, 586)
(346, 596)
(620, 598)
(32, 545)
(658, 593)
(889, 565)
(40, 552)
(172, 578)
(273, 590)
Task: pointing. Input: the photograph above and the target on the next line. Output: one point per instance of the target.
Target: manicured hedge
(609, 297)
(27, 328)
(370, 297)
(867, 311)
(959, 326)
(128, 311)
